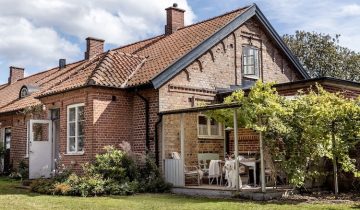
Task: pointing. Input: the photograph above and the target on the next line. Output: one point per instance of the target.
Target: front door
(40, 149)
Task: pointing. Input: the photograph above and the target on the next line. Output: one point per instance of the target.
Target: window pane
(72, 114)
(81, 113)
(72, 129)
(202, 120)
(214, 129)
(40, 132)
(203, 130)
(80, 144)
(72, 144)
(81, 128)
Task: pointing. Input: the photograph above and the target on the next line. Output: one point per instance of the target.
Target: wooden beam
(236, 152)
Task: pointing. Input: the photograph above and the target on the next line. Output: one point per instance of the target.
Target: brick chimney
(174, 19)
(94, 47)
(16, 73)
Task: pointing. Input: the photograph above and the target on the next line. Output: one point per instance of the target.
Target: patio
(198, 155)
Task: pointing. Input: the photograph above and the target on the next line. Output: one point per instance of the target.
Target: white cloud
(23, 44)
(331, 17)
(351, 10)
(35, 33)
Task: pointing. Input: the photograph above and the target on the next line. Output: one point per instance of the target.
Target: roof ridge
(218, 16)
(41, 72)
(61, 73)
(133, 73)
(137, 42)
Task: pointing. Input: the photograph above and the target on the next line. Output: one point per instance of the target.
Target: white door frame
(33, 170)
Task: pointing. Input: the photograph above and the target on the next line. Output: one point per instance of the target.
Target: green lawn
(14, 198)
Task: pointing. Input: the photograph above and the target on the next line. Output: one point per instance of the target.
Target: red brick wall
(248, 141)
(221, 67)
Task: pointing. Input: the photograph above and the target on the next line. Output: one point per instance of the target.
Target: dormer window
(251, 64)
(24, 92)
(27, 90)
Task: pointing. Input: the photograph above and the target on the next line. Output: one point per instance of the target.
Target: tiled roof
(165, 50)
(123, 67)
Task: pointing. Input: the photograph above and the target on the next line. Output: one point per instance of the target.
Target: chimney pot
(16, 73)
(94, 47)
(62, 63)
(174, 19)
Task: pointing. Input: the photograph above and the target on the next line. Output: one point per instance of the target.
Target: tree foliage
(299, 132)
(321, 55)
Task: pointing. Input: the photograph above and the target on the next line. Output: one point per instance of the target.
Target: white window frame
(256, 74)
(209, 136)
(76, 152)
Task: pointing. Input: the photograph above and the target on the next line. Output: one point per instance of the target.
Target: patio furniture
(215, 171)
(191, 172)
(204, 160)
(251, 163)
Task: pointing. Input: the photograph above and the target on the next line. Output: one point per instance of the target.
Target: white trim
(27, 138)
(76, 106)
(209, 136)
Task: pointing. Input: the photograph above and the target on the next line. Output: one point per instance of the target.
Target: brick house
(67, 114)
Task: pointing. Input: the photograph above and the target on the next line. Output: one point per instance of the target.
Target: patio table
(250, 163)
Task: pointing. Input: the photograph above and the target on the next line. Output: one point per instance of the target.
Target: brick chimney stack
(174, 19)
(16, 73)
(94, 47)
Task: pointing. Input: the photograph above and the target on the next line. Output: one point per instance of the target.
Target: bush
(43, 186)
(153, 181)
(115, 172)
(113, 164)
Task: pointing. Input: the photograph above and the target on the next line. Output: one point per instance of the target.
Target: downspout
(147, 119)
(157, 140)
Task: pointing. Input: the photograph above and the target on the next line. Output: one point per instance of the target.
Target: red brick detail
(174, 19)
(16, 73)
(94, 47)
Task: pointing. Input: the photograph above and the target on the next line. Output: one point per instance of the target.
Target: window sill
(211, 137)
(74, 153)
(253, 77)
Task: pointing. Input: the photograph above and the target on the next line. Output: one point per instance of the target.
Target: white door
(40, 149)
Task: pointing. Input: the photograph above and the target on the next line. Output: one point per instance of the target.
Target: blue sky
(36, 33)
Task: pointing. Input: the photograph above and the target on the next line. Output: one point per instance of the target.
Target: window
(7, 138)
(209, 128)
(75, 128)
(23, 92)
(250, 61)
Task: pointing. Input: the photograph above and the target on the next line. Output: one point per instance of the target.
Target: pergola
(234, 107)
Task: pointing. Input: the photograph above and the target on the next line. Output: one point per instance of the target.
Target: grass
(15, 198)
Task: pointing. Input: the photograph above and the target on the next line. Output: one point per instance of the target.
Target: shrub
(152, 179)
(115, 172)
(62, 189)
(23, 169)
(43, 186)
(113, 164)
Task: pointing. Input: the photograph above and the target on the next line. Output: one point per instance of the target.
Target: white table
(250, 163)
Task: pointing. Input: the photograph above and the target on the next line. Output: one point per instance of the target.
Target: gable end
(171, 71)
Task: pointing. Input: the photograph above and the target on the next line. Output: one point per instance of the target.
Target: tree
(321, 55)
(337, 128)
(300, 132)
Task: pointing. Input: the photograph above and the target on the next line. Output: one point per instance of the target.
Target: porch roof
(201, 108)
